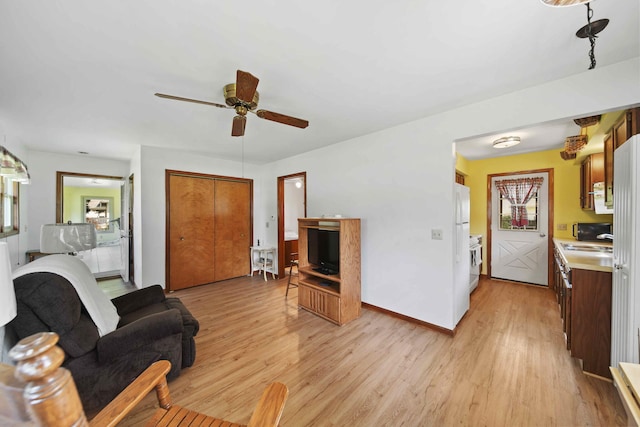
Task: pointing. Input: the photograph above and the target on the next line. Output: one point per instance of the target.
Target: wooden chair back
(52, 399)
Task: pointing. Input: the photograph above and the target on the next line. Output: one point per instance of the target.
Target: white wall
(400, 182)
(151, 187)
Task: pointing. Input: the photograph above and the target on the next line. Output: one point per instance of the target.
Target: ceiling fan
(243, 97)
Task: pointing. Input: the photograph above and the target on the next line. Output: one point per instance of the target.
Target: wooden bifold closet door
(208, 228)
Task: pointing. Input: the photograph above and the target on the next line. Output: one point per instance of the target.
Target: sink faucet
(605, 236)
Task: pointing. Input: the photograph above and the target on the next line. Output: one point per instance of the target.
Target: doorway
(292, 204)
(98, 199)
(520, 228)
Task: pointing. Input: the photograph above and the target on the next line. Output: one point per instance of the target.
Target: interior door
(520, 254)
(292, 204)
(232, 229)
(124, 230)
(191, 231)
(72, 190)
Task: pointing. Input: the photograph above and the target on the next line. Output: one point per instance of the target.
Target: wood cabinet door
(591, 320)
(621, 130)
(232, 229)
(191, 231)
(585, 179)
(322, 303)
(608, 169)
(592, 171)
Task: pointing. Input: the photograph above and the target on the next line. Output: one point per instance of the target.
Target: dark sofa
(151, 327)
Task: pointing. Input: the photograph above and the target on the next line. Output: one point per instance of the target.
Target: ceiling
(77, 181)
(81, 76)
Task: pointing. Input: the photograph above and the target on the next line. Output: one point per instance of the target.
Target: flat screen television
(324, 250)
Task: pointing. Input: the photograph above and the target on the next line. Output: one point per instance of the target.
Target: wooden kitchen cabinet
(583, 287)
(334, 297)
(627, 126)
(590, 321)
(591, 171)
(562, 289)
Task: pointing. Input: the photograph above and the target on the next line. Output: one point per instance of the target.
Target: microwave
(590, 230)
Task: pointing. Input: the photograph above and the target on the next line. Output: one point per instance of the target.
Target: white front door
(520, 253)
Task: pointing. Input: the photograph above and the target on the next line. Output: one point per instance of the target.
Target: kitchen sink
(587, 248)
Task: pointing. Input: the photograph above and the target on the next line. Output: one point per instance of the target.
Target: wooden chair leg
(293, 262)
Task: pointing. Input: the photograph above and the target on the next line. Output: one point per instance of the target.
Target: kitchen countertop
(582, 259)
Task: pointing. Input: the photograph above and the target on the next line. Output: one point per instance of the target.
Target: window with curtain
(519, 203)
(13, 172)
(10, 211)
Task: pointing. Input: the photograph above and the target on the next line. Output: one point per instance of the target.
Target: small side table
(34, 254)
(262, 259)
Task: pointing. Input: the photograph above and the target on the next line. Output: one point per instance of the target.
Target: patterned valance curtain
(519, 192)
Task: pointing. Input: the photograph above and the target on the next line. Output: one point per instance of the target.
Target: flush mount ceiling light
(507, 141)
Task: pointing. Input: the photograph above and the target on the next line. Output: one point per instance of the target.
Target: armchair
(51, 399)
(149, 328)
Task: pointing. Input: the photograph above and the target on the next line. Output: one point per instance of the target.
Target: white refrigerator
(625, 307)
(462, 258)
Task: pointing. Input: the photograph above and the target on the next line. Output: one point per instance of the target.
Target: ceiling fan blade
(246, 85)
(281, 118)
(179, 98)
(239, 123)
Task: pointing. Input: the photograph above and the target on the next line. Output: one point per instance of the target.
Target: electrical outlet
(436, 234)
(562, 227)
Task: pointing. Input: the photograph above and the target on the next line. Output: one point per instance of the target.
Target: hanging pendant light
(590, 31)
(7, 163)
(564, 3)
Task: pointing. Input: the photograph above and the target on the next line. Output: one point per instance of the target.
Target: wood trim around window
(15, 210)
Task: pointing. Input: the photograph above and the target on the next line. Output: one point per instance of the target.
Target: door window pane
(506, 215)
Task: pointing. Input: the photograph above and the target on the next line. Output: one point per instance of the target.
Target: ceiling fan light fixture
(230, 98)
(243, 97)
(506, 141)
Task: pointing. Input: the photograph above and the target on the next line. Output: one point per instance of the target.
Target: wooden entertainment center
(335, 297)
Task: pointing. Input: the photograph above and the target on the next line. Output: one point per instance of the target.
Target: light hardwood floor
(506, 366)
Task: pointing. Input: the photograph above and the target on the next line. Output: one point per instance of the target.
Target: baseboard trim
(409, 319)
